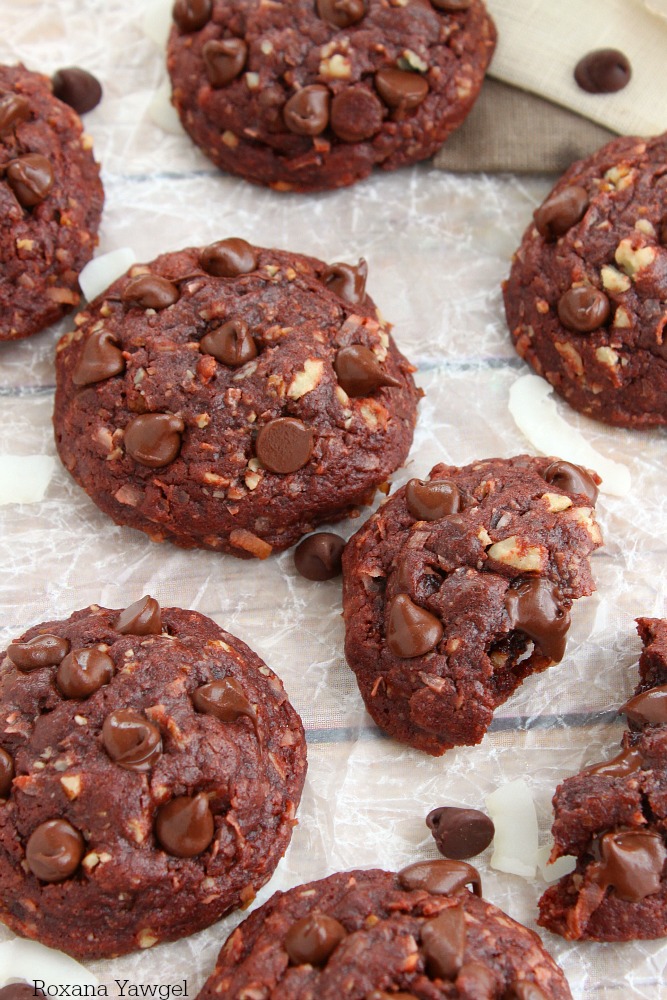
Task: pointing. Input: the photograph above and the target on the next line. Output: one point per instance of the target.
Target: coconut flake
(536, 416)
(156, 22)
(102, 271)
(512, 810)
(561, 866)
(163, 113)
(24, 478)
(21, 959)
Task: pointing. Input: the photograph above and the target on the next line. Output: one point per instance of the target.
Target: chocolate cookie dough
(461, 586)
(373, 935)
(150, 770)
(586, 300)
(306, 95)
(613, 818)
(232, 398)
(50, 202)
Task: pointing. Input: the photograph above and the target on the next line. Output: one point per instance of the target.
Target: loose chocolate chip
(154, 439)
(191, 15)
(20, 991)
(628, 761)
(30, 178)
(429, 501)
(572, 479)
(141, 618)
(444, 941)
(14, 109)
(631, 862)
(318, 557)
(100, 359)
(521, 989)
(341, 13)
(231, 343)
(603, 71)
(451, 6)
(131, 740)
(359, 372)
(284, 445)
(225, 699)
(411, 630)
(535, 607)
(440, 878)
(401, 89)
(42, 651)
(150, 291)
(356, 114)
(83, 672)
(460, 833)
(78, 88)
(6, 773)
(347, 281)
(228, 258)
(560, 212)
(224, 60)
(307, 111)
(648, 707)
(583, 309)
(184, 826)
(54, 850)
(312, 940)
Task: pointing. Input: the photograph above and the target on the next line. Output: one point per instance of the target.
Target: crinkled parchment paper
(438, 247)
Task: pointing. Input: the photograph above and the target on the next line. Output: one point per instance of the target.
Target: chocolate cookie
(374, 935)
(459, 587)
(307, 95)
(150, 767)
(232, 398)
(613, 818)
(50, 200)
(585, 300)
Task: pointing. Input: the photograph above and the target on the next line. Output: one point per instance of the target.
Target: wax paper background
(438, 247)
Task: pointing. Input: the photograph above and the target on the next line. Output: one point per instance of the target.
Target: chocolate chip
(78, 88)
(83, 672)
(42, 651)
(359, 372)
(284, 445)
(572, 479)
(318, 557)
(14, 109)
(648, 707)
(224, 60)
(30, 178)
(535, 607)
(131, 740)
(191, 15)
(401, 89)
(411, 630)
(312, 940)
(451, 6)
(628, 761)
(475, 980)
(460, 833)
(225, 699)
(341, 13)
(20, 991)
(521, 989)
(307, 111)
(141, 618)
(631, 862)
(347, 281)
(6, 774)
(184, 826)
(154, 439)
(440, 878)
(583, 309)
(54, 850)
(231, 343)
(603, 71)
(429, 501)
(228, 258)
(356, 114)
(100, 359)
(150, 291)
(560, 212)
(444, 941)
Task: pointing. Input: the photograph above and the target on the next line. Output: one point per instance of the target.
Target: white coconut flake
(512, 810)
(30, 961)
(163, 113)
(101, 271)
(156, 21)
(536, 416)
(562, 866)
(24, 478)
